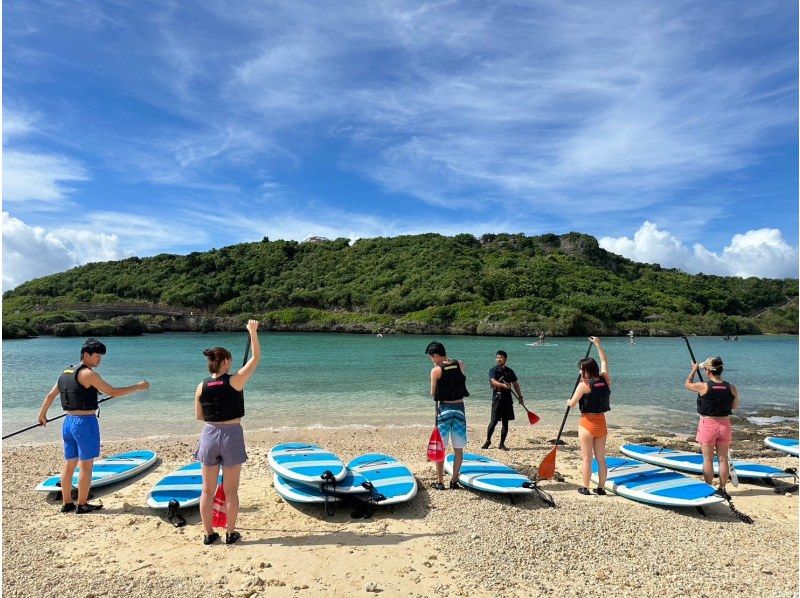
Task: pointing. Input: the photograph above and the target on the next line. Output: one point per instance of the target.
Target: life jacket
(718, 400)
(597, 399)
(74, 395)
(452, 386)
(220, 401)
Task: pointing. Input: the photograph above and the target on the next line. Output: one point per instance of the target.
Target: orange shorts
(595, 424)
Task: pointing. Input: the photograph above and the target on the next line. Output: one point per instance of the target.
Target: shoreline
(450, 543)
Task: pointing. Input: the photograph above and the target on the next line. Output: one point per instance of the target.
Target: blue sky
(668, 130)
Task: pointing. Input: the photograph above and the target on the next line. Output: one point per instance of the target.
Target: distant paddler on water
(219, 401)
(80, 432)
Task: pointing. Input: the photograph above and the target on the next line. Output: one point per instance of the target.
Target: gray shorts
(221, 444)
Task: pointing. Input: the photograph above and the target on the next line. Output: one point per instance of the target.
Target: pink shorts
(714, 430)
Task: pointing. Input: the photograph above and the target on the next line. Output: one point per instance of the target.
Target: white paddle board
(693, 462)
(787, 445)
(305, 463)
(107, 471)
(292, 491)
(388, 476)
(482, 473)
(184, 486)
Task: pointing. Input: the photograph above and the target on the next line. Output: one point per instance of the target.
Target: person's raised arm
(603, 359)
(48, 400)
(240, 378)
(691, 385)
(92, 378)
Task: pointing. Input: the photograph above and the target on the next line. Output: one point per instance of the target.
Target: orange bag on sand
(219, 517)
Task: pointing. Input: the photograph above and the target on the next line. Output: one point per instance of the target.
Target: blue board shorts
(452, 423)
(81, 436)
(221, 444)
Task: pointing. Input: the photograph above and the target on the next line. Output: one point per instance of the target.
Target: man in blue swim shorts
(448, 389)
(79, 387)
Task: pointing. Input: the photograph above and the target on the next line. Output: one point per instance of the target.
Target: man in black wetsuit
(502, 379)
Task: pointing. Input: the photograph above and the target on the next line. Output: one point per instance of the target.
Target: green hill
(499, 284)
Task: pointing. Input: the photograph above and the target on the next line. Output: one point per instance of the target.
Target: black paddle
(48, 421)
(548, 465)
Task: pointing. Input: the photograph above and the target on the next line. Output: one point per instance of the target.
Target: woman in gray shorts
(219, 401)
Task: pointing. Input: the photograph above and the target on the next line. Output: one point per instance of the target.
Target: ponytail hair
(215, 357)
(589, 368)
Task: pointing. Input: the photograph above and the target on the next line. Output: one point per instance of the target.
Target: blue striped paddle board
(655, 485)
(107, 471)
(292, 491)
(693, 462)
(387, 475)
(787, 445)
(305, 463)
(483, 473)
(184, 485)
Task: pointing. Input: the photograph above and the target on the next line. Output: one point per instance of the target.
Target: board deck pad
(693, 462)
(184, 485)
(787, 445)
(655, 485)
(305, 463)
(486, 474)
(388, 476)
(109, 470)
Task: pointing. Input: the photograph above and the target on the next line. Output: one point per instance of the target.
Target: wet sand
(442, 543)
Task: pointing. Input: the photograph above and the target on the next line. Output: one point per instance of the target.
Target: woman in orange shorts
(715, 400)
(592, 395)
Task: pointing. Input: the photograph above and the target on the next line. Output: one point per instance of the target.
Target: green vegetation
(498, 284)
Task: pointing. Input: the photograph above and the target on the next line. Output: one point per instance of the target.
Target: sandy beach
(443, 543)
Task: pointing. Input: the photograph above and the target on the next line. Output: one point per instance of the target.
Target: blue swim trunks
(452, 422)
(81, 435)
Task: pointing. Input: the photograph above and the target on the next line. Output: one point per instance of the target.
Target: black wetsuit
(502, 402)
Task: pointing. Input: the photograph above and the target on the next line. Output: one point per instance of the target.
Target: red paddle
(436, 444)
(532, 417)
(219, 518)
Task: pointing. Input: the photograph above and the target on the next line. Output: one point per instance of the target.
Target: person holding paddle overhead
(592, 396)
(219, 401)
(448, 389)
(80, 432)
(715, 400)
(502, 379)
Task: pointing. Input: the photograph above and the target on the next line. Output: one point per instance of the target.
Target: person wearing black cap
(502, 379)
(448, 389)
(80, 432)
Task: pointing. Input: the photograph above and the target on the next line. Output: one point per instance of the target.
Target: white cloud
(762, 252)
(30, 252)
(38, 179)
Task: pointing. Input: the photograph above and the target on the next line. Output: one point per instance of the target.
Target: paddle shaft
(48, 421)
(566, 413)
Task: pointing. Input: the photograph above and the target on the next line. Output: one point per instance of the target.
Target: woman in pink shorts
(715, 401)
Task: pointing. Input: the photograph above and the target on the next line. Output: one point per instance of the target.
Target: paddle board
(305, 463)
(787, 445)
(183, 485)
(292, 491)
(693, 462)
(107, 471)
(542, 345)
(388, 476)
(655, 485)
(483, 473)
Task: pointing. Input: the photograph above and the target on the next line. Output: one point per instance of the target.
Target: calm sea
(340, 380)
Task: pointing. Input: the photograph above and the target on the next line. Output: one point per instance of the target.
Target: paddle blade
(436, 447)
(732, 470)
(219, 518)
(547, 469)
(532, 417)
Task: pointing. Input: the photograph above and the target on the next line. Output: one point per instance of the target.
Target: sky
(668, 130)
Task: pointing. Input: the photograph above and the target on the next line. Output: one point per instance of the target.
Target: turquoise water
(342, 380)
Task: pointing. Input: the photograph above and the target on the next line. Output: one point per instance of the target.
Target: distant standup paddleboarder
(80, 432)
(715, 401)
(448, 389)
(592, 395)
(219, 401)
(502, 379)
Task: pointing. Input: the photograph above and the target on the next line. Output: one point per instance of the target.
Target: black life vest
(597, 399)
(452, 386)
(718, 400)
(74, 395)
(220, 401)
